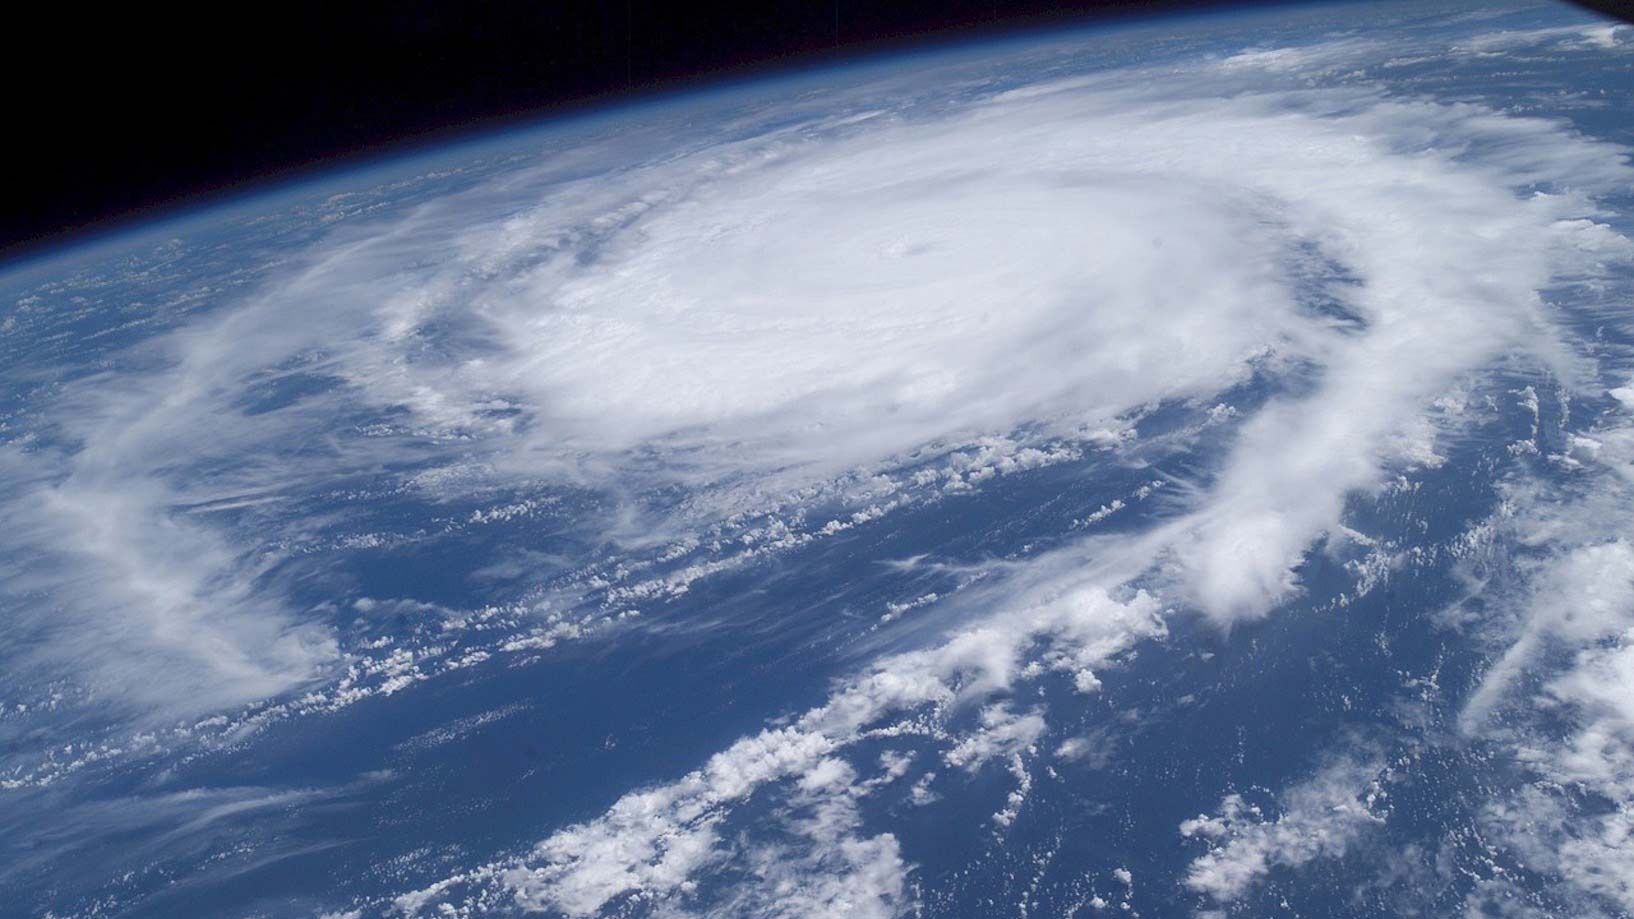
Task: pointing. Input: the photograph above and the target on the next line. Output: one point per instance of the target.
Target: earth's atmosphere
(1181, 468)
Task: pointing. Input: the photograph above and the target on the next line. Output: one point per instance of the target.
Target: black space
(121, 112)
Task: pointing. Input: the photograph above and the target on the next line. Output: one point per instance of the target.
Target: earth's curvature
(1164, 470)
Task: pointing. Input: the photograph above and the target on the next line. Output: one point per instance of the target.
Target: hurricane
(1172, 468)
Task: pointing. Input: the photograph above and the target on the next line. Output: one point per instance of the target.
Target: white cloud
(1581, 598)
(147, 609)
(848, 310)
(1599, 36)
(1320, 817)
(1568, 636)
(829, 868)
(1002, 733)
(767, 313)
(651, 843)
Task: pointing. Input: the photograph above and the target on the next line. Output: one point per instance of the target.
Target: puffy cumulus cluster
(652, 845)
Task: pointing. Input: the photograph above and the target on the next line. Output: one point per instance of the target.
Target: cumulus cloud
(1318, 818)
(650, 844)
(143, 607)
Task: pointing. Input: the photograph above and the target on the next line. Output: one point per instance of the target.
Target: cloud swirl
(897, 294)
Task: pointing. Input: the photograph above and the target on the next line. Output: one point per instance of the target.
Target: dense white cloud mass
(795, 306)
(1063, 256)
(842, 317)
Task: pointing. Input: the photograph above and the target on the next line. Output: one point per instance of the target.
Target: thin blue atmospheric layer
(325, 594)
